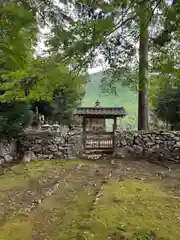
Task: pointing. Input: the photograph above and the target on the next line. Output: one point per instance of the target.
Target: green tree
(18, 33)
(19, 67)
(143, 66)
(165, 66)
(114, 29)
(168, 107)
(14, 117)
(64, 103)
(23, 77)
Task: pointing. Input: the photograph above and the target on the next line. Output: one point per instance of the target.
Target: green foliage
(18, 32)
(14, 118)
(24, 78)
(64, 102)
(168, 107)
(112, 29)
(166, 79)
(20, 70)
(39, 79)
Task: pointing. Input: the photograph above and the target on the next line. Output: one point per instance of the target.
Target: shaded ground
(52, 200)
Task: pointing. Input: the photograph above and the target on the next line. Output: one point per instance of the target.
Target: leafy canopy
(24, 77)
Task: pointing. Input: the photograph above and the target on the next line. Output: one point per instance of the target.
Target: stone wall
(7, 151)
(68, 145)
(41, 145)
(52, 145)
(156, 145)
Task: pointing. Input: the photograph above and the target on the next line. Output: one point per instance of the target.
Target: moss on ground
(19, 175)
(131, 208)
(136, 210)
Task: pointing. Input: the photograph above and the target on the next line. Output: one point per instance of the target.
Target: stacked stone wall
(68, 145)
(158, 145)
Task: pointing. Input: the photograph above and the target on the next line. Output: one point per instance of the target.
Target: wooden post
(84, 132)
(114, 130)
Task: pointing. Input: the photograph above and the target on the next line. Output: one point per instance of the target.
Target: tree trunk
(1, 149)
(143, 66)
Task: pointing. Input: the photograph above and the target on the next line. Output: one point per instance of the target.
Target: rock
(138, 149)
(139, 178)
(29, 156)
(123, 143)
(177, 145)
(112, 162)
(80, 166)
(48, 193)
(8, 158)
(28, 209)
(53, 148)
(121, 152)
(109, 174)
(98, 173)
(2, 160)
(58, 155)
(160, 174)
(37, 148)
(40, 156)
(176, 138)
(38, 201)
(139, 140)
(56, 185)
(51, 156)
(45, 156)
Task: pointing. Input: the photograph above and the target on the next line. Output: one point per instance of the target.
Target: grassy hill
(126, 98)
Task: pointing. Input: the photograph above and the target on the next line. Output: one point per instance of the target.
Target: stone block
(29, 156)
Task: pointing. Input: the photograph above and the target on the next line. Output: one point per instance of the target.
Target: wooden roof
(101, 111)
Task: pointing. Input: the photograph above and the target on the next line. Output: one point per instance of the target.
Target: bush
(168, 107)
(14, 118)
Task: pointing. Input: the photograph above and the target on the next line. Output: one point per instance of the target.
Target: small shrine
(96, 124)
(94, 118)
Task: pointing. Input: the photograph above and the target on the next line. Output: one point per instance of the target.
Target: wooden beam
(84, 131)
(114, 131)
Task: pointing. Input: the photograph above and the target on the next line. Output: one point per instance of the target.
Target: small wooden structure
(95, 136)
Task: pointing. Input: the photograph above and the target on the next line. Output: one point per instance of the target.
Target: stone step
(98, 151)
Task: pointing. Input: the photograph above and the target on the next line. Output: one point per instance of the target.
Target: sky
(95, 70)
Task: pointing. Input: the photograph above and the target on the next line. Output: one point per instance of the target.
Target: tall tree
(143, 66)
(112, 29)
(23, 76)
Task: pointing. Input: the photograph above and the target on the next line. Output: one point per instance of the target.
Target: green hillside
(126, 98)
